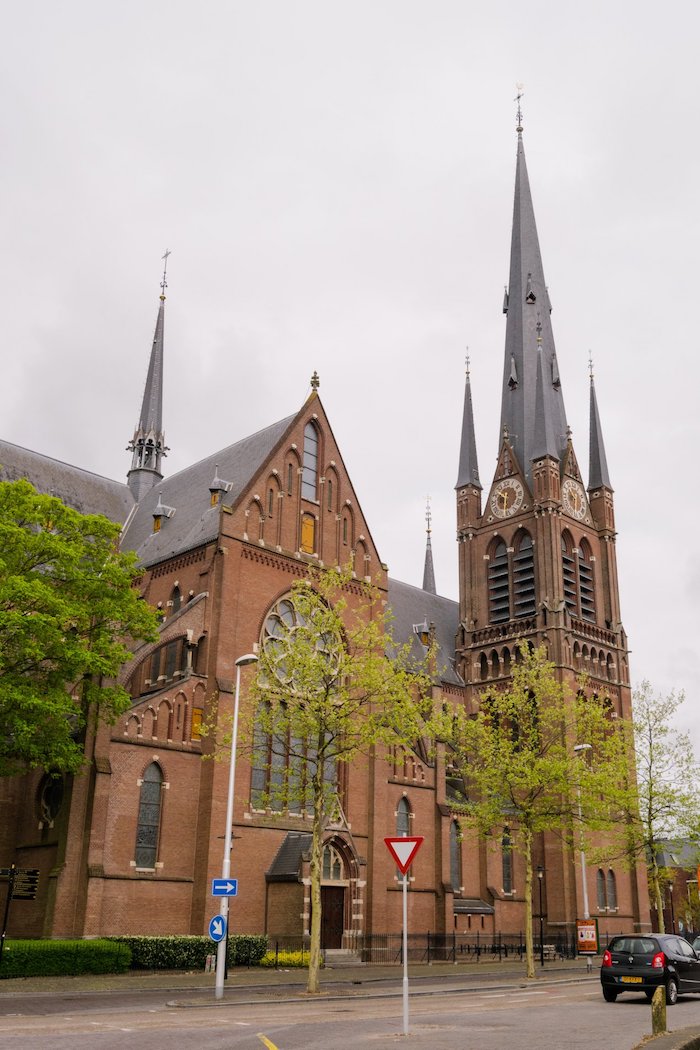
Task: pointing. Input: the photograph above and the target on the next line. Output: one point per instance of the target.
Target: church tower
(537, 561)
(148, 443)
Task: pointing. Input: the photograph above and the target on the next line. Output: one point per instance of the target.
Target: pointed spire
(528, 300)
(543, 439)
(428, 570)
(468, 467)
(598, 476)
(148, 443)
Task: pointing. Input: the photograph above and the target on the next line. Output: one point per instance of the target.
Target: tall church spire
(148, 443)
(428, 570)
(598, 476)
(526, 303)
(468, 467)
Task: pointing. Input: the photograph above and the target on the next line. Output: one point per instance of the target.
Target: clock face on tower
(573, 499)
(507, 497)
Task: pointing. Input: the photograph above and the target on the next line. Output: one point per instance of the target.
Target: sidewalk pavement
(261, 982)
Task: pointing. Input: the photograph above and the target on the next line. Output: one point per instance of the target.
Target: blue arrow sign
(224, 887)
(217, 928)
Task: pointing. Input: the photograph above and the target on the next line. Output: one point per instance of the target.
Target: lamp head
(540, 871)
(249, 658)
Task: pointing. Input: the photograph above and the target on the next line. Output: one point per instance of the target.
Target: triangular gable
(274, 507)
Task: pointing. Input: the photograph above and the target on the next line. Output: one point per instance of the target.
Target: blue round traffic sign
(217, 928)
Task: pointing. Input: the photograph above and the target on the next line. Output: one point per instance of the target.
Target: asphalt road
(442, 1016)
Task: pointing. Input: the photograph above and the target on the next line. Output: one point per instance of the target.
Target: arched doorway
(334, 882)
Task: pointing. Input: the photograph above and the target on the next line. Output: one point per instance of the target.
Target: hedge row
(190, 953)
(55, 958)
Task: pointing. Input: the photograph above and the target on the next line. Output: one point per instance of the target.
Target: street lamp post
(242, 661)
(540, 877)
(579, 749)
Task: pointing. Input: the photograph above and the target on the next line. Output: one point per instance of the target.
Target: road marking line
(268, 1044)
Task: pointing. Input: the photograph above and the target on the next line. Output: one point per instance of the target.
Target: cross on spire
(519, 116)
(164, 282)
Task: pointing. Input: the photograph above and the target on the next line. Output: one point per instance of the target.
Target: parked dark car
(642, 963)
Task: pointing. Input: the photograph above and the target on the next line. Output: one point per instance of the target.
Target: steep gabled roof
(195, 521)
(80, 489)
(412, 607)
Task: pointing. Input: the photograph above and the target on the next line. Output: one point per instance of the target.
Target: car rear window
(634, 945)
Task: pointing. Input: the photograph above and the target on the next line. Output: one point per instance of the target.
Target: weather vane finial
(164, 282)
(315, 381)
(520, 89)
(428, 515)
(467, 361)
(590, 365)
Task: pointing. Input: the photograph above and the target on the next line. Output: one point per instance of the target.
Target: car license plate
(631, 980)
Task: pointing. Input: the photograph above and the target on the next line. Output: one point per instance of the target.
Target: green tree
(517, 761)
(67, 610)
(664, 801)
(326, 691)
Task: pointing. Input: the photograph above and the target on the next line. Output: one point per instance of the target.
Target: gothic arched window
(403, 817)
(600, 889)
(332, 868)
(148, 826)
(611, 890)
(282, 762)
(309, 473)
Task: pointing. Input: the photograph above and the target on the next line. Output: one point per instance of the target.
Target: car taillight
(607, 958)
(659, 961)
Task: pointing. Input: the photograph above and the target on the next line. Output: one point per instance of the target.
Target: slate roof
(472, 906)
(527, 302)
(80, 489)
(194, 520)
(678, 853)
(597, 465)
(411, 606)
(286, 866)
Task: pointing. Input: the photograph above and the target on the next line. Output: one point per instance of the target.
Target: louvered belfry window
(586, 582)
(499, 585)
(524, 578)
(569, 571)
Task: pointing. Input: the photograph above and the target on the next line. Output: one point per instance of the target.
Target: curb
(683, 1039)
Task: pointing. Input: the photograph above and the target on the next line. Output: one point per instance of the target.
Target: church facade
(132, 845)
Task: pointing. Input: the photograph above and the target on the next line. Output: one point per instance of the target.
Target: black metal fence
(459, 947)
(387, 948)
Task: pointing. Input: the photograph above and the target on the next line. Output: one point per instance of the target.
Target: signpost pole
(10, 887)
(405, 953)
(250, 658)
(403, 850)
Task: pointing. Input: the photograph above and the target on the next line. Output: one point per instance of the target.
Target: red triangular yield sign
(404, 849)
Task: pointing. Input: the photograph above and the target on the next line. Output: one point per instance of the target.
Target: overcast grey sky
(335, 182)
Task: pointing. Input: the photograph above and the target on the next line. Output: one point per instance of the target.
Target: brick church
(132, 845)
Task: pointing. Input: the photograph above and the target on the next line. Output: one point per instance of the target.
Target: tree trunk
(529, 950)
(313, 985)
(656, 892)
